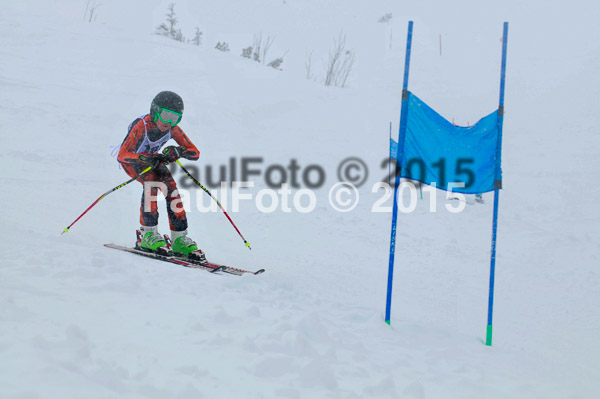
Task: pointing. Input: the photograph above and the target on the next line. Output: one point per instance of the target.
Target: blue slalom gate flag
(393, 148)
(434, 150)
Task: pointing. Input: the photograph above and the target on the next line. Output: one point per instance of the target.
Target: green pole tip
(248, 245)
(388, 322)
(65, 230)
(488, 337)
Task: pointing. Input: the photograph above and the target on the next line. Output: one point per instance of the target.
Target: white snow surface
(78, 320)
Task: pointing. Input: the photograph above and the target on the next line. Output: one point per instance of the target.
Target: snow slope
(80, 320)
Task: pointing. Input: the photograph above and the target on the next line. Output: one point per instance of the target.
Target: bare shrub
(339, 64)
(222, 47)
(261, 48)
(386, 18)
(276, 63)
(308, 66)
(90, 10)
(247, 52)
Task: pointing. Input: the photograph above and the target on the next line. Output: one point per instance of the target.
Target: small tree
(171, 20)
(197, 40)
(168, 28)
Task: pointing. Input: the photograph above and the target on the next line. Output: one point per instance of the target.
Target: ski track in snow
(80, 320)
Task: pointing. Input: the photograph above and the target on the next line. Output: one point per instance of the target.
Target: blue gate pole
(399, 155)
(497, 187)
(389, 162)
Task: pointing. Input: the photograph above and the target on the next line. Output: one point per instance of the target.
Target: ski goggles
(168, 116)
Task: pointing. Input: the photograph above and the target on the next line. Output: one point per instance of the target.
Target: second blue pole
(497, 187)
(399, 155)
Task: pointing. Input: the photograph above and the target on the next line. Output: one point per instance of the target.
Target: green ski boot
(184, 246)
(151, 241)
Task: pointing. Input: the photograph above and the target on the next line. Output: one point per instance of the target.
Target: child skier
(140, 149)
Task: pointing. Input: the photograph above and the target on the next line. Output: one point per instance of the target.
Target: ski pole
(216, 200)
(66, 229)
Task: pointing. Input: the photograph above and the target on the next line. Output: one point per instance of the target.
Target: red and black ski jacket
(139, 141)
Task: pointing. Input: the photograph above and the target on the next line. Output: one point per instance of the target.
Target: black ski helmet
(168, 100)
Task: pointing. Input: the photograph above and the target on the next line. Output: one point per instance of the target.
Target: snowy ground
(80, 320)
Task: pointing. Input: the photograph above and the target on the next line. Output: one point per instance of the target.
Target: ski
(208, 266)
(478, 200)
(233, 270)
(465, 200)
(170, 259)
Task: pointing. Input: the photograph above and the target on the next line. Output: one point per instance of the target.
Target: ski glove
(172, 153)
(151, 159)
